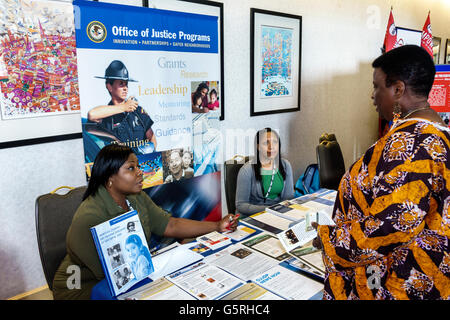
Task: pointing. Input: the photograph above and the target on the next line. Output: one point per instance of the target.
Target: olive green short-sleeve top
(80, 246)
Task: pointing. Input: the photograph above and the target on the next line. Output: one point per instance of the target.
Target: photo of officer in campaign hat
(122, 119)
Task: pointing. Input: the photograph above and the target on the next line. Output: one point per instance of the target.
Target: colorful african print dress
(391, 238)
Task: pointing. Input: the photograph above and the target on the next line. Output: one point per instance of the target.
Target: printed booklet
(303, 232)
(123, 251)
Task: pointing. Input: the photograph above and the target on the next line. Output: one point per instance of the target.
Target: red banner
(427, 37)
(390, 39)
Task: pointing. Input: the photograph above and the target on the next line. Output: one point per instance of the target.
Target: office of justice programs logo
(96, 31)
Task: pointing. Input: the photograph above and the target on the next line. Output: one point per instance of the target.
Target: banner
(149, 79)
(390, 38)
(439, 98)
(427, 37)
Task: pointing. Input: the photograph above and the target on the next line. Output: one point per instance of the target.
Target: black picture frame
(437, 44)
(285, 102)
(51, 130)
(447, 52)
(213, 5)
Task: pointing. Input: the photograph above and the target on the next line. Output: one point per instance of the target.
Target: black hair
(411, 64)
(202, 86)
(196, 96)
(213, 91)
(107, 163)
(257, 166)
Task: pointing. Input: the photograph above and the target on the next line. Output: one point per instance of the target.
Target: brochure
(173, 259)
(251, 291)
(123, 251)
(161, 289)
(301, 266)
(205, 281)
(214, 240)
(323, 201)
(240, 233)
(268, 222)
(303, 232)
(241, 261)
(268, 245)
(288, 284)
(283, 209)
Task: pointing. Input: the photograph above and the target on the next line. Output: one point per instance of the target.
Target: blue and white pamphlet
(123, 251)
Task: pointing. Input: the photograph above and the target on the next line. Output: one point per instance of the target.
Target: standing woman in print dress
(391, 238)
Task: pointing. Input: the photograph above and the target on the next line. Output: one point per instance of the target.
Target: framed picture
(209, 8)
(275, 66)
(408, 36)
(447, 52)
(436, 49)
(39, 99)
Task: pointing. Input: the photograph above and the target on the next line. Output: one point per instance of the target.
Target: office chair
(330, 161)
(231, 170)
(54, 213)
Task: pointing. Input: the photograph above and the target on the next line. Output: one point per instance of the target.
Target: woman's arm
(187, 228)
(288, 190)
(243, 191)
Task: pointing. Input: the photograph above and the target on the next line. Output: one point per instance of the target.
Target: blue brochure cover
(123, 251)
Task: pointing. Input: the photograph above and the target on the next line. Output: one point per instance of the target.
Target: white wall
(340, 39)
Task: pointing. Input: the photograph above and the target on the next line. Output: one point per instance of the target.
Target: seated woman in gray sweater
(265, 182)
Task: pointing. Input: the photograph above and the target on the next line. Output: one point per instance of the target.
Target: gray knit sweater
(249, 197)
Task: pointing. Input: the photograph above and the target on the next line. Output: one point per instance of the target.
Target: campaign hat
(116, 71)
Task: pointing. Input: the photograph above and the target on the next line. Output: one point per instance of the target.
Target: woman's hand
(229, 222)
(317, 242)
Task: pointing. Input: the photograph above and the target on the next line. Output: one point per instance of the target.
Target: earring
(397, 111)
(110, 184)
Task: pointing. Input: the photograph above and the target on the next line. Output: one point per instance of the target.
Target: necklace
(413, 111)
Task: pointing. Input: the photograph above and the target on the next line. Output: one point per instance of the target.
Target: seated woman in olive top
(266, 182)
(115, 187)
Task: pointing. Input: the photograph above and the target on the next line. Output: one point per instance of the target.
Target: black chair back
(231, 170)
(330, 161)
(54, 213)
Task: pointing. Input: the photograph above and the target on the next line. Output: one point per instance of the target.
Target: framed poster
(436, 49)
(210, 8)
(139, 70)
(275, 62)
(408, 36)
(39, 99)
(447, 52)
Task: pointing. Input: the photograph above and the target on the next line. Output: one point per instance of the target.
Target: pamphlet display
(227, 265)
(123, 251)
